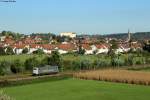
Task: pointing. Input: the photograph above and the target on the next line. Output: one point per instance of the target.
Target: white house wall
(62, 51)
(31, 50)
(102, 51)
(18, 51)
(47, 51)
(88, 52)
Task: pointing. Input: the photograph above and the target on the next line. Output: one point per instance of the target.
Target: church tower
(129, 36)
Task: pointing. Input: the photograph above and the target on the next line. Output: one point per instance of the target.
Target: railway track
(24, 78)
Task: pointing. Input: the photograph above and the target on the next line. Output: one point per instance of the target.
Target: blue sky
(81, 16)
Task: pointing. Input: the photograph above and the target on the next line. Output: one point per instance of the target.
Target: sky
(80, 16)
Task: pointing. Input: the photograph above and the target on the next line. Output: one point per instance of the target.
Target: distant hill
(137, 36)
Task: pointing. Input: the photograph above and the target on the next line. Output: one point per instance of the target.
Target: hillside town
(69, 42)
(74, 50)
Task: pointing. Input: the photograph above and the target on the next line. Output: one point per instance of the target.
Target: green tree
(95, 51)
(113, 47)
(55, 59)
(39, 51)
(81, 50)
(2, 51)
(16, 66)
(5, 68)
(9, 51)
(146, 47)
(76, 65)
(129, 60)
(25, 51)
(15, 36)
(44, 61)
(4, 33)
(31, 63)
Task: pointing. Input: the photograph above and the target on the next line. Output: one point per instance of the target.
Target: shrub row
(17, 66)
(86, 64)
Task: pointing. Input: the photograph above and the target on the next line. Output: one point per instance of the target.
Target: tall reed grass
(116, 75)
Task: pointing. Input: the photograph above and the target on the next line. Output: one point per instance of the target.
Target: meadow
(22, 58)
(75, 89)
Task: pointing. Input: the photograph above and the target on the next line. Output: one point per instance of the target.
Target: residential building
(68, 34)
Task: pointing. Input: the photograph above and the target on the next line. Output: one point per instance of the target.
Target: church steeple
(129, 35)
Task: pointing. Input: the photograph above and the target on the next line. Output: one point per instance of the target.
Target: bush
(147, 60)
(30, 63)
(85, 64)
(44, 61)
(16, 66)
(5, 68)
(81, 50)
(55, 59)
(139, 61)
(96, 64)
(119, 62)
(129, 60)
(113, 62)
(25, 51)
(101, 63)
(75, 65)
(39, 51)
(9, 51)
(67, 65)
(2, 51)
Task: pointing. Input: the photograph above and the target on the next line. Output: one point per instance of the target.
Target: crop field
(75, 89)
(116, 75)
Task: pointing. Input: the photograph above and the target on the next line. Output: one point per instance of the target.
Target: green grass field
(74, 89)
(20, 57)
(65, 57)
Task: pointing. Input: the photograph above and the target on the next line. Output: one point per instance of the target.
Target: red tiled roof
(136, 45)
(86, 46)
(9, 41)
(35, 45)
(19, 46)
(100, 46)
(1, 45)
(28, 41)
(44, 46)
(67, 46)
(48, 46)
(124, 46)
